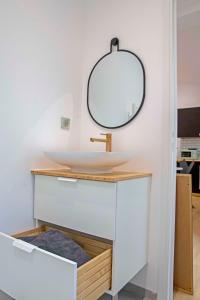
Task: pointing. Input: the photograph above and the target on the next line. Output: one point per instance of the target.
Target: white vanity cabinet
(106, 214)
(117, 211)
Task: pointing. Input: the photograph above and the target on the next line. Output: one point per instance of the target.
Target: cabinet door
(189, 122)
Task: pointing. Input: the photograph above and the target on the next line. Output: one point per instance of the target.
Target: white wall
(141, 27)
(40, 59)
(188, 48)
(188, 95)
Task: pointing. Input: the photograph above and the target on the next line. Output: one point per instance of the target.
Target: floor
(122, 296)
(196, 251)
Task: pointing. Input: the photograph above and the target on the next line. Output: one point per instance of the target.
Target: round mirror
(116, 87)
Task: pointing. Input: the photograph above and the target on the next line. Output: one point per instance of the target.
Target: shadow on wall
(46, 134)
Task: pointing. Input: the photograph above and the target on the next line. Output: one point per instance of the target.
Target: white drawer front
(83, 205)
(30, 273)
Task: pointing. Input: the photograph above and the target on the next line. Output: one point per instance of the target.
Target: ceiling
(188, 41)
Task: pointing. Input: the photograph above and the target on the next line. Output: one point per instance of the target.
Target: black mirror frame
(115, 43)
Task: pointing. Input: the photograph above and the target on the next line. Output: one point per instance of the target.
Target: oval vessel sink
(90, 162)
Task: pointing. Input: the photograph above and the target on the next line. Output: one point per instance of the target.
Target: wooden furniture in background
(183, 259)
(195, 172)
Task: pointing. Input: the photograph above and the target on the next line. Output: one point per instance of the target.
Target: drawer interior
(94, 277)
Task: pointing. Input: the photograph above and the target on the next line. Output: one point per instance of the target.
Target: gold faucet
(107, 141)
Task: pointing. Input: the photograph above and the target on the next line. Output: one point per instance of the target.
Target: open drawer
(28, 272)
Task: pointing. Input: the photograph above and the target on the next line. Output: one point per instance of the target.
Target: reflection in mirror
(116, 88)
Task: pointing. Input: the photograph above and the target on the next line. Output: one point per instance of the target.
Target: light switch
(65, 123)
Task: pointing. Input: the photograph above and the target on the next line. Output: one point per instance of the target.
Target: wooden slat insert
(98, 292)
(92, 263)
(105, 278)
(94, 278)
(94, 275)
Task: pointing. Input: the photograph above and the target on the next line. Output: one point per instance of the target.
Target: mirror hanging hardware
(114, 43)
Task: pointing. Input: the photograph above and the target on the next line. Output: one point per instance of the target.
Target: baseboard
(140, 292)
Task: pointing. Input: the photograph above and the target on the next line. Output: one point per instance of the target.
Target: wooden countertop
(108, 177)
(187, 159)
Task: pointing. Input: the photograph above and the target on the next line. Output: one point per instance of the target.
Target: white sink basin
(91, 162)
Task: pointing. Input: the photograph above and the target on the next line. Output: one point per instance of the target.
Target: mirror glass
(116, 88)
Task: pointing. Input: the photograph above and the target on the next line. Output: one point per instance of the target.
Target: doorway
(187, 236)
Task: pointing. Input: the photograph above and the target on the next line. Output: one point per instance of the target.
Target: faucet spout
(97, 140)
(107, 141)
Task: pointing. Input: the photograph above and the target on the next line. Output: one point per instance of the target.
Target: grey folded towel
(56, 242)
